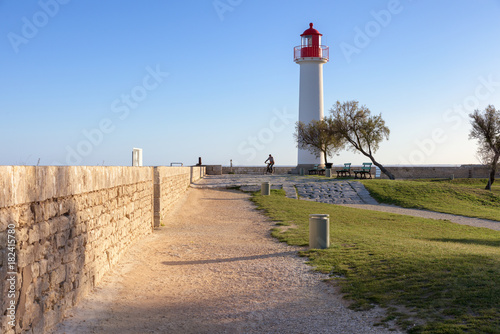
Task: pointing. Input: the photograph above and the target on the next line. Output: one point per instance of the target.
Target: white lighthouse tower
(311, 56)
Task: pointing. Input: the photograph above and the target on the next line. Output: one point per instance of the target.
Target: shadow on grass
(481, 242)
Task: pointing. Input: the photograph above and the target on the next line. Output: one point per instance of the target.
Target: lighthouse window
(307, 41)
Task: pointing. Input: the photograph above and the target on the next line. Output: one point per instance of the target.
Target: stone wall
(214, 169)
(255, 170)
(69, 226)
(400, 172)
(463, 171)
(170, 185)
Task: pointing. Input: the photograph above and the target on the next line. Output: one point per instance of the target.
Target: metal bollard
(265, 188)
(328, 172)
(319, 231)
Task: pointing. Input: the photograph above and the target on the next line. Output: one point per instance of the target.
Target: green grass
(465, 197)
(432, 276)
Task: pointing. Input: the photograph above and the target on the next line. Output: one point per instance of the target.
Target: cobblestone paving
(312, 189)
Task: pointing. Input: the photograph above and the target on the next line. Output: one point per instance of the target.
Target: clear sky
(84, 82)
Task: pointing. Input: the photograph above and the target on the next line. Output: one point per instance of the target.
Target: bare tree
(318, 138)
(363, 131)
(486, 130)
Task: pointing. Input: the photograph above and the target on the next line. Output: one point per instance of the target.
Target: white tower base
(310, 103)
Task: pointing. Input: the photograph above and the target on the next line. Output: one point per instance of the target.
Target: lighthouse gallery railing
(321, 51)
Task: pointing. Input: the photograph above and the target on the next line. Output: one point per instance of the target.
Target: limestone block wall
(416, 172)
(170, 185)
(214, 169)
(400, 172)
(255, 170)
(63, 228)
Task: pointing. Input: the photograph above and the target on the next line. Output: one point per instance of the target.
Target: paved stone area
(322, 190)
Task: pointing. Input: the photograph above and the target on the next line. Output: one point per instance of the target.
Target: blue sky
(84, 82)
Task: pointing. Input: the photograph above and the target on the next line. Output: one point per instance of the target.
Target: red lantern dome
(311, 31)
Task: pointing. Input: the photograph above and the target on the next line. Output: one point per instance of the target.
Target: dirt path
(215, 269)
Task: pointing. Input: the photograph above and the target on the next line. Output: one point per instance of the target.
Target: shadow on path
(233, 259)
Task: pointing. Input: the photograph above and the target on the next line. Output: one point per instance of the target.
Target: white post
(137, 157)
(265, 188)
(319, 231)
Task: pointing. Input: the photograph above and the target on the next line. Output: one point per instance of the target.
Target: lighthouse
(311, 56)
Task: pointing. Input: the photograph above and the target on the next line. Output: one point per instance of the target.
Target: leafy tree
(486, 129)
(360, 129)
(318, 138)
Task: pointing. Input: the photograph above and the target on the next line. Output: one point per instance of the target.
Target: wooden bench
(366, 169)
(344, 171)
(317, 171)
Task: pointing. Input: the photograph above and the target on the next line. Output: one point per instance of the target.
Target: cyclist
(270, 164)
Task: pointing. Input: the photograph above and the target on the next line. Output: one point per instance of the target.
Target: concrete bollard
(265, 189)
(319, 231)
(328, 172)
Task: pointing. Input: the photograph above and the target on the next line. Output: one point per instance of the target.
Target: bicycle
(269, 169)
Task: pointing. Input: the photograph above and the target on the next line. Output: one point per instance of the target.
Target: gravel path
(215, 269)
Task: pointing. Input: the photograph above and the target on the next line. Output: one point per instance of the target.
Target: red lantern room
(311, 46)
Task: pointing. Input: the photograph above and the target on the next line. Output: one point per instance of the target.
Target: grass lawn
(465, 197)
(432, 276)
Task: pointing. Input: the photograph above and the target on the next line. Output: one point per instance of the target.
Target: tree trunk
(369, 155)
(493, 171)
(325, 155)
(382, 168)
